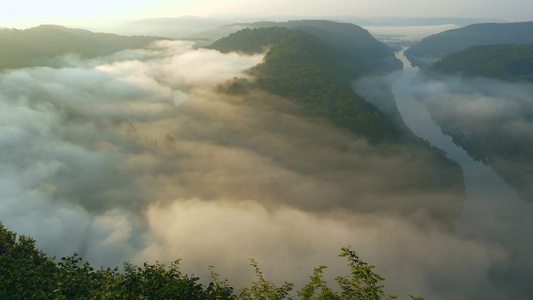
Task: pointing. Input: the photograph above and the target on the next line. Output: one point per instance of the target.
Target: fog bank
(136, 157)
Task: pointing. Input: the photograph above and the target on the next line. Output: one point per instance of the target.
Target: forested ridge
(28, 273)
(303, 67)
(506, 61)
(251, 41)
(346, 37)
(300, 66)
(437, 46)
(37, 46)
(317, 78)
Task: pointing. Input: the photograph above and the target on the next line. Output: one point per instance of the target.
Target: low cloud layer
(288, 242)
(478, 100)
(136, 157)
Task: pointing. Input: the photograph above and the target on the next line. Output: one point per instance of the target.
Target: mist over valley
(281, 141)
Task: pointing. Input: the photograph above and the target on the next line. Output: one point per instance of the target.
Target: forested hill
(302, 67)
(251, 41)
(508, 62)
(437, 46)
(350, 38)
(34, 46)
(317, 78)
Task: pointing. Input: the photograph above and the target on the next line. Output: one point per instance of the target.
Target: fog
(136, 156)
(490, 112)
(479, 101)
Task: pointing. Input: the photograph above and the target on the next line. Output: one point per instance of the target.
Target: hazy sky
(30, 12)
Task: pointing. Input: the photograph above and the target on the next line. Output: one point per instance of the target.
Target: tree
(27, 273)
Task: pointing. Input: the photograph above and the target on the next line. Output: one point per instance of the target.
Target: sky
(31, 13)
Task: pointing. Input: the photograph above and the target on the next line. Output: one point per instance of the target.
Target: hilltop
(300, 66)
(346, 37)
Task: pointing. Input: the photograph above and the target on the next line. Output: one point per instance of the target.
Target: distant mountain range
(216, 28)
(437, 46)
(417, 21)
(176, 28)
(35, 46)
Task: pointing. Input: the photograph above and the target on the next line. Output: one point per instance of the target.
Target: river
(493, 212)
